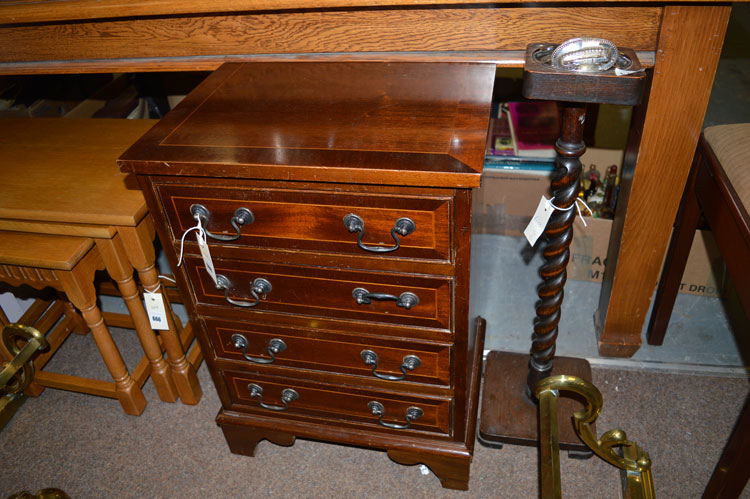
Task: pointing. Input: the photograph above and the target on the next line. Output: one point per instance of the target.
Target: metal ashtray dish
(583, 55)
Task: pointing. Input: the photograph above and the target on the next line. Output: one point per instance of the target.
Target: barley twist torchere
(559, 234)
(575, 73)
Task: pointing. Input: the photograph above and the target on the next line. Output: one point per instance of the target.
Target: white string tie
(578, 207)
(201, 234)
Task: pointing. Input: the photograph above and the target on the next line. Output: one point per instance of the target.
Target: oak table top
(37, 190)
(34, 250)
(60, 176)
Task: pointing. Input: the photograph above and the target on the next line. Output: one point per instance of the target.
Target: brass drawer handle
(403, 226)
(406, 300)
(275, 346)
(286, 396)
(412, 414)
(410, 363)
(260, 288)
(241, 216)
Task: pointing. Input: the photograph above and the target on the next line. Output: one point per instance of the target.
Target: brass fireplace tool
(634, 462)
(576, 72)
(16, 375)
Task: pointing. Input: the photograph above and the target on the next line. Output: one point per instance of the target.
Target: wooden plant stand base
(508, 416)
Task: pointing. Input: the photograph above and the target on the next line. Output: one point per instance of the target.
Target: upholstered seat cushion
(731, 144)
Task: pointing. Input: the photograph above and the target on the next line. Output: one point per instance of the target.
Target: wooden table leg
(138, 242)
(78, 285)
(656, 166)
(79, 325)
(732, 471)
(115, 261)
(674, 264)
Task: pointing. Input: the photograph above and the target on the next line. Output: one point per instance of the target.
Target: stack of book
(523, 135)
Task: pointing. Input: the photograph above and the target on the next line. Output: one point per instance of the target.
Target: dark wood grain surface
(542, 81)
(346, 406)
(304, 145)
(312, 220)
(710, 195)
(311, 349)
(402, 124)
(323, 292)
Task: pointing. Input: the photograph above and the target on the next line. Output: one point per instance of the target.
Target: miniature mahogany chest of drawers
(335, 199)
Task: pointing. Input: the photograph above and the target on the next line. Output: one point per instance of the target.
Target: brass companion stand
(576, 72)
(16, 375)
(614, 446)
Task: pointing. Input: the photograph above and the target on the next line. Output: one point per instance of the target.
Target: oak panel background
(219, 37)
(34, 11)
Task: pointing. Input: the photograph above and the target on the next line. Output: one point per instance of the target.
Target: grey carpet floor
(87, 446)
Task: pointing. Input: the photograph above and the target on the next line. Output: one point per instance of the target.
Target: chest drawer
(398, 361)
(323, 292)
(314, 220)
(295, 398)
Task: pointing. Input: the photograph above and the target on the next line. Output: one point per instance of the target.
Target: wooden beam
(39, 11)
(203, 42)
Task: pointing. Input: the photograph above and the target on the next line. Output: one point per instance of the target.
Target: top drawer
(313, 220)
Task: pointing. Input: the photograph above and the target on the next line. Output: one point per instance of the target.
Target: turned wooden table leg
(113, 254)
(140, 250)
(78, 285)
(79, 325)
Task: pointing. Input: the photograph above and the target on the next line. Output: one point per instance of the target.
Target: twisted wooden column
(565, 186)
(509, 412)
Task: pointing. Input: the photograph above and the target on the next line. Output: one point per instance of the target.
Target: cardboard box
(506, 201)
(704, 273)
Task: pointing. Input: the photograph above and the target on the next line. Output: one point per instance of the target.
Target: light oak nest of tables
(67, 264)
(60, 177)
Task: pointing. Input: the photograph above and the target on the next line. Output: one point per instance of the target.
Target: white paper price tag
(157, 314)
(539, 221)
(206, 257)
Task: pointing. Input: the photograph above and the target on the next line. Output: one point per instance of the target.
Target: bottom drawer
(294, 398)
